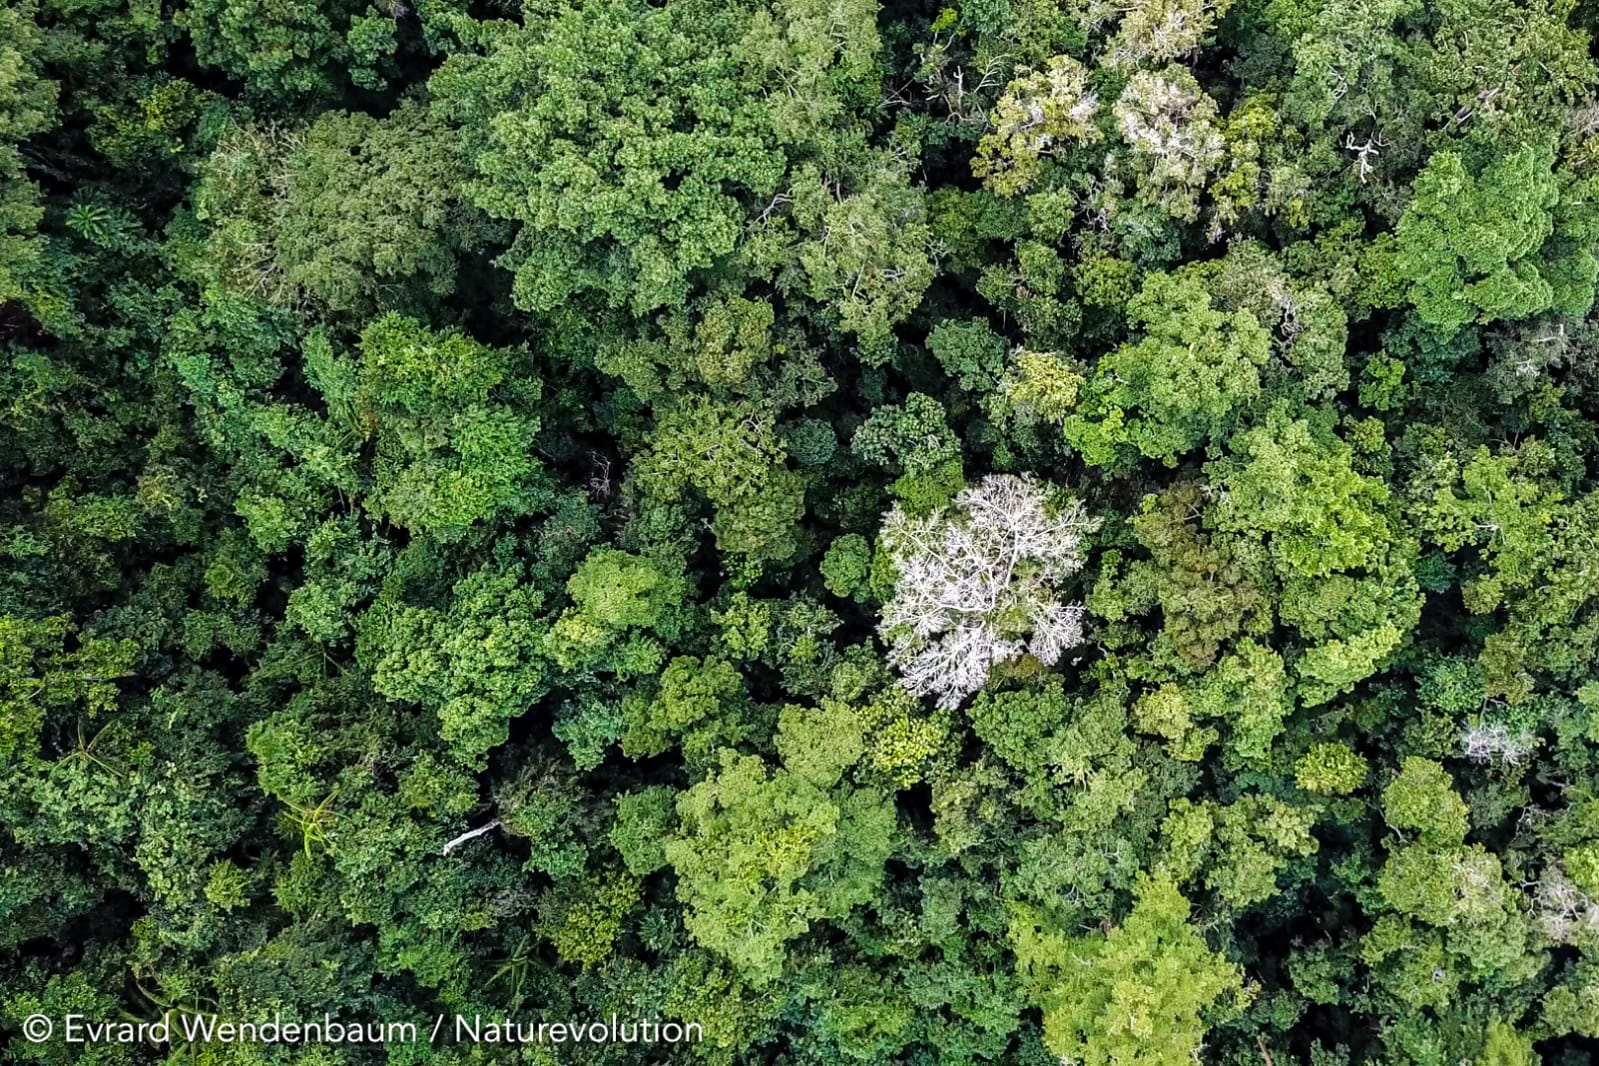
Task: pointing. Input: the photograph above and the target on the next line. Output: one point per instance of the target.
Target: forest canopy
(1022, 533)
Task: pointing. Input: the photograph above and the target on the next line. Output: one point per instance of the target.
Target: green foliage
(1421, 798)
(448, 450)
(763, 853)
(633, 233)
(913, 438)
(865, 255)
(1483, 247)
(970, 352)
(847, 565)
(1503, 1046)
(1039, 112)
(617, 599)
(1330, 769)
(582, 918)
(477, 665)
(287, 49)
(44, 677)
(979, 537)
(643, 825)
(27, 106)
(692, 168)
(1301, 487)
(1143, 992)
(1242, 847)
(375, 206)
(1178, 386)
(733, 457)
(699, 703)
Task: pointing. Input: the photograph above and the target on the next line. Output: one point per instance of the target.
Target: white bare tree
(977, 584)
(1562, 910)
(1484, 742)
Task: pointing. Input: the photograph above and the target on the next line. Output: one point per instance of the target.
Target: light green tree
(764, 853)
(1041, 114)
(1178, 386)
(1143, 994)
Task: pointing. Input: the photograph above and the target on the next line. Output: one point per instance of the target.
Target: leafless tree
(1561, 909)
(1365, 154)
(977, 585)
(1494, 743)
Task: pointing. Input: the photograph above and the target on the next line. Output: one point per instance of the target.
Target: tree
(1331, 769)
(913, 437)
(449, 422)
(970, 352)
(1179, 385)
(583, 917)
(1209, 588)
(1299, 486)
(636, 144)
(27, 105)
(847, 565)
(290, 49)
(1141, 993)
(1158, 31)
(732, 456)
(1510, 241)
(633, 232)
(972, 581)
(1242, 847)
(621, 605)
(763, 853)
(353, 212)
(1041, 114)
(868, 259)
(477, 665)
(1421, 798)
(700, 705)
(1527, 537)
(1169, 124)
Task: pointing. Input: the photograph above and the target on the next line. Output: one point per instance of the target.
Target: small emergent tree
(972, 581)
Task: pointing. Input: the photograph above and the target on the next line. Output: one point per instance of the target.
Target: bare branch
(470, 834)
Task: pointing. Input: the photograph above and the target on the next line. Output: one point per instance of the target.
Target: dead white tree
(1365, 154)
(1493, 743)
(977, 584)
(1561, 910)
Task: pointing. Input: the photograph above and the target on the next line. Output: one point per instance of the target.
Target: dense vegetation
(1047, 531)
